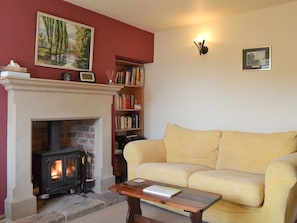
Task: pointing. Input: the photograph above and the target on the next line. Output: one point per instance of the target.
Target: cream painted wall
(211, 91)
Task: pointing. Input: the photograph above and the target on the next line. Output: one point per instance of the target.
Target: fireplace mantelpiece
(35, 99)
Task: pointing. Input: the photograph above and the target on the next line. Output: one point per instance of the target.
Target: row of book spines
(125, 101)
(126, 121)
(134, 76)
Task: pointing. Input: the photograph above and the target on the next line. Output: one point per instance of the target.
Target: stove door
(72, 170)
(54, 179)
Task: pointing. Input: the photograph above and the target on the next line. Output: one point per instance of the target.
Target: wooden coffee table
(189, 200)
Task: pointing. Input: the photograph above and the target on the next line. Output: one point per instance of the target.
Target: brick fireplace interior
(33, 101)
(75, 133)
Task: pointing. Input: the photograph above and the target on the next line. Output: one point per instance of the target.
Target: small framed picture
(256, 58)
(86, 76)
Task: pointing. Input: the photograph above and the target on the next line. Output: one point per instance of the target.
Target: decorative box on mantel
(36, 99)
(14, 74)
(14, 70)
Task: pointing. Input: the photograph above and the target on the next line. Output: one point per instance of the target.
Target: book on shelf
(131, 76)
(161, 190)
(128, 77)
(135, 120)
(124, 101)
(127, 121)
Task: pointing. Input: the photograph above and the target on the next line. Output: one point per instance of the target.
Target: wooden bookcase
(128, 111)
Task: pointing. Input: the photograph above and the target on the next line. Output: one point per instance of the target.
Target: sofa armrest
(143, 151)
(281, 189)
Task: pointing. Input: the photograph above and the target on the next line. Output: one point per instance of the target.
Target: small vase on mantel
(110, 75)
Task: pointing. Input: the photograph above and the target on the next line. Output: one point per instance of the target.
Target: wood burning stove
(57, 170)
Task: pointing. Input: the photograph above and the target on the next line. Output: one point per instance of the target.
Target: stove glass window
(56, 170)
(70, 167)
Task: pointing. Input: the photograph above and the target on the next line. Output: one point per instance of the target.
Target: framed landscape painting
(256, 58)
(63, 44)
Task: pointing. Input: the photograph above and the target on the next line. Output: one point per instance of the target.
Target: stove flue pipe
(54, 135)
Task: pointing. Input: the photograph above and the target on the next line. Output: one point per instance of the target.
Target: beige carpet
(117, 214)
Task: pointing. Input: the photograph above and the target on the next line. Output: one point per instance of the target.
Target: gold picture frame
(64, 44)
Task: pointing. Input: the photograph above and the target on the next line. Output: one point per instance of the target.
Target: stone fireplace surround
(36, 99)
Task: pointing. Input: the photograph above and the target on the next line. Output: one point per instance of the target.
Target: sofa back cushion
(252, 152)
(191, 146)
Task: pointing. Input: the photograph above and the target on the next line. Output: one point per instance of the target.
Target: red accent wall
(17, 42)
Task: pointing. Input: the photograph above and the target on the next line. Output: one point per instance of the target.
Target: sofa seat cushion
(235, 186)
(171, 173)
(252, 152)
(192, 146)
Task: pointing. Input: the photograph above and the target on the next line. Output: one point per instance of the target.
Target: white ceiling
(159, 15)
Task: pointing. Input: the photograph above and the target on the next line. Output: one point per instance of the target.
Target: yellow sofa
(256, 173)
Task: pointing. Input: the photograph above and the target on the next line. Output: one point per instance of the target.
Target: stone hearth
(35, 99)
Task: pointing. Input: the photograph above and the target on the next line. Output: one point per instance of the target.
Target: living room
(201, 92)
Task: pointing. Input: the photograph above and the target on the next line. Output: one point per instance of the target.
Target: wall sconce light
(201, 47)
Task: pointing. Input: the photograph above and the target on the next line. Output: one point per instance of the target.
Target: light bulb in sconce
(200, 44)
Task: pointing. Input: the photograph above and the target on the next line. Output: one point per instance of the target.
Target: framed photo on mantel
(256, 58)
(86, 76)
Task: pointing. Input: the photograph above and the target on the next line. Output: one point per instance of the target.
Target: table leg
(196, 217)
(133, 209)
